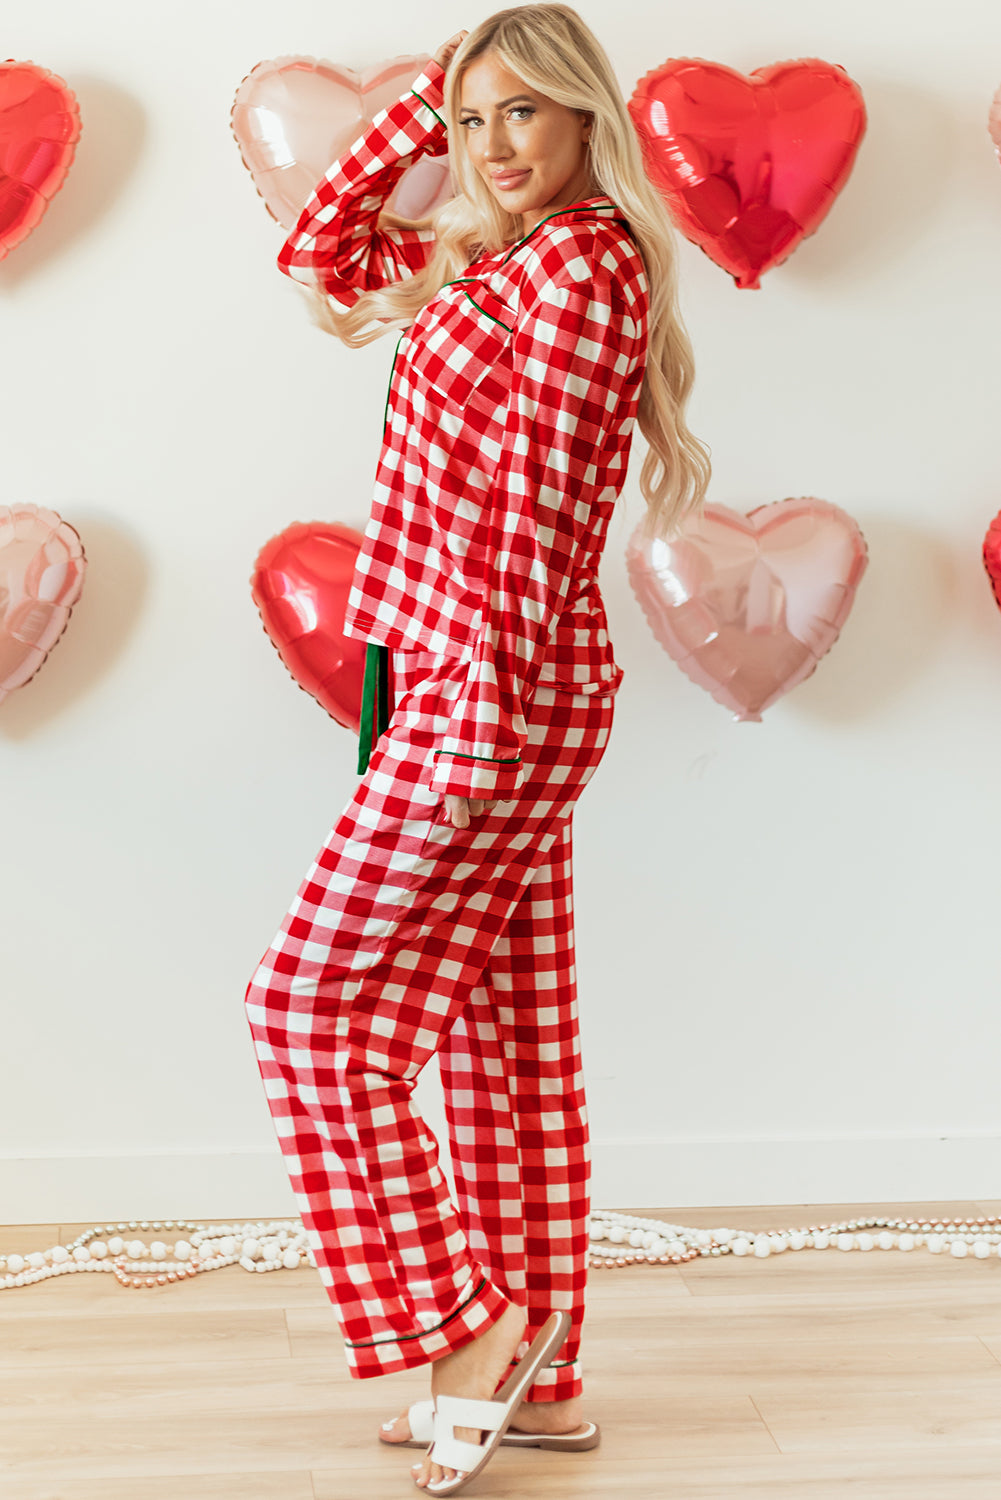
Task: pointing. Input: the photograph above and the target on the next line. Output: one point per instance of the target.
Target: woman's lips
(510, 179)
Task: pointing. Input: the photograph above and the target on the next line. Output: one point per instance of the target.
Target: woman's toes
(428, 1475)
(440, 1477)
(396, 1431)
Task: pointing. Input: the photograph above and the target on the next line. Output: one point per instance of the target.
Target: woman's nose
(497, 147)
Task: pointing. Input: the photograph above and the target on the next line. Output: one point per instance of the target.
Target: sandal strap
(420, 1416)
(463, 1411)
(453, 1453)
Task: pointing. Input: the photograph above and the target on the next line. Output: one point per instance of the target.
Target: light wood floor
(810, 1376)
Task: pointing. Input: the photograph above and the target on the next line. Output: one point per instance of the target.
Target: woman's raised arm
(337, 244)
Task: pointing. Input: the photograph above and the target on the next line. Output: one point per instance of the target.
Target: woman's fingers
(459, 809)
(447, 49)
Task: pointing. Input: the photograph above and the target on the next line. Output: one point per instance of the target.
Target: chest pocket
(460, 345)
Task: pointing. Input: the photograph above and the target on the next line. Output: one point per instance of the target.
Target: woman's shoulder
(585, 251)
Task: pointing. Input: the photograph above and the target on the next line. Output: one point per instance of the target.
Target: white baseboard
(233, 1185)
(706, 1172)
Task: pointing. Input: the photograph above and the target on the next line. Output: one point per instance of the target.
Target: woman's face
(510, 128)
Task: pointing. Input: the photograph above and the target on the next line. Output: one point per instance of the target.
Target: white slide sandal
(420, 1420)
(492, 1417)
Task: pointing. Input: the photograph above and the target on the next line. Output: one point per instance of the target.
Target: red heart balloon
(992, 556)
(748, 164)
(39, 129)
(748, 605)
(300, 584)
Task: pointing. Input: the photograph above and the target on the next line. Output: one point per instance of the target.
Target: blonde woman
(538, 325)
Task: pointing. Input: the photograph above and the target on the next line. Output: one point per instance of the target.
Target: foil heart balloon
(293, 117)
(748, 164)
(994, 123)
(992, 556)
(42, 564)
(39, 129)
(300, 584)
(748, 605)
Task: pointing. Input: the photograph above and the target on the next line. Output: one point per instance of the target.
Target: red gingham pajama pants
(410, 937)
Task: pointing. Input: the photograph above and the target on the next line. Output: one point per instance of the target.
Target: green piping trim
(493, 759)
(559, 211)
(554, 1364)
(368, 696)
(488, 315)
(375, 688)
(382, 723)
(389, 388)
(428, 106)
(403, 1338)
(374, 702)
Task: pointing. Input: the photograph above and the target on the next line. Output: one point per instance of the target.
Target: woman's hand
(459, 808)
(448, 49)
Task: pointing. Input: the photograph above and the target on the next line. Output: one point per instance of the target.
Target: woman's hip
(567, 731)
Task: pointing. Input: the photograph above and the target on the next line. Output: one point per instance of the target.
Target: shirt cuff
(430, 85)
(470, 776)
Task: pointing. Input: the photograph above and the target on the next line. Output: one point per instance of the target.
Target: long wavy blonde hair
(550, 49)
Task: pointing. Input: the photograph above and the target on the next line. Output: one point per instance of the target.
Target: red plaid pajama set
(490, 674)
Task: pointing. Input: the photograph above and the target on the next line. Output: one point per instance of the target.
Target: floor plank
(183, 1337)
(236, 1486)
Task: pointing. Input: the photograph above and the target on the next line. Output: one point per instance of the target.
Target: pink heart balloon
(294, 116)
(42, 565)
(994, 123)
(748, 605)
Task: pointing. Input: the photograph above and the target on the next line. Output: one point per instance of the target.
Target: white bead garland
(277, 1244)
(634, 1241)
(615, 1240)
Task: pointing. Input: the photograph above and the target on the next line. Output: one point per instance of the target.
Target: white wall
(787, 932)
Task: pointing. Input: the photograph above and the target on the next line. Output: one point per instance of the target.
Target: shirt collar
(598, 207)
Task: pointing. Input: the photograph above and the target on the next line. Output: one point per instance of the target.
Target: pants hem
(387, 1357)
(559, 1383)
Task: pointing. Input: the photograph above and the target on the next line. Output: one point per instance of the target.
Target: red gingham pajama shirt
(508, 425)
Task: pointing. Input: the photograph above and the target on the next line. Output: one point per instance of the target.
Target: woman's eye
(524, 109)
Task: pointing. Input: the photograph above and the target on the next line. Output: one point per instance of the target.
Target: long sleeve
(575, 348)
(336, 244)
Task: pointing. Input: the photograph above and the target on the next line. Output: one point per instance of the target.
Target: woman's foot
(531, 1416)
(548, 1416)
(473, 1371)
